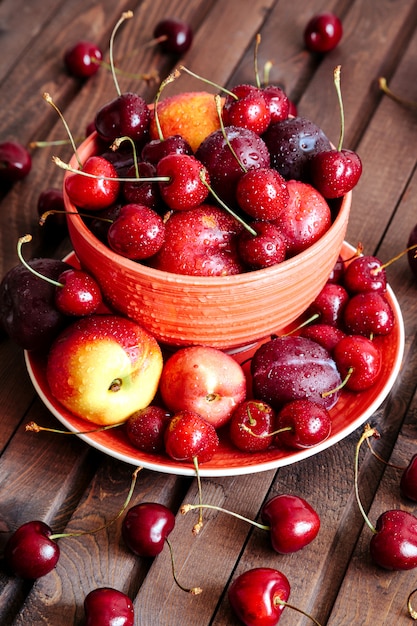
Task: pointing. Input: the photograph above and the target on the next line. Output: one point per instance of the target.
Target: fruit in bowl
(222, 311)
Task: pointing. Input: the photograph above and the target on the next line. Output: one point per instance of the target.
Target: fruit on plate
(106, 606)
(28, 312)
(290, 368)
(103, 368)
(192, 114)
(205, 380)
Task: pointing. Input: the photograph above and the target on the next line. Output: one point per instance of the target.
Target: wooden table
(71, 486)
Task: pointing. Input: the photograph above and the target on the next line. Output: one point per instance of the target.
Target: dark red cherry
(251, 426)
(83, 59)
(323, 32)
(145, 528)
(359, 361)
(137, 233)
(108, 607)
(29, 552)
(293, 522)
(308, 424)
(15, 162)
(175, 36)
(126, 115)
(79, 293)
(394, 544)
(368, 313)
(189, 436)
(326, 335)
(335, 172)
(412, 254)
(277, 102)
(329, 304)
(365, 273)
(146, 427)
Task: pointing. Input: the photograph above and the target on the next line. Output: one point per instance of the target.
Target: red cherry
(325, 334)
(156, 149)
(175, 36)
(266, 248)
(408, 482)
(323, 32)
(137, 233)
(189, 436)
(307, 424)
(145, 528)
(79, 294)
(146, 427)
(93, 194)
(258, 596)
(335, 172)
(368, 313)
(251, 426)
(411, 255)
(126, 115)
(358, 360)
(82, 60)
(365, 273)
(277, 102)
(142, 192)
(262, 194)
(293, 522)
(107, 607)
(30, 552)
(15, 162)
(246, 108)
(329, 304)
(394, 544)
(185, 190)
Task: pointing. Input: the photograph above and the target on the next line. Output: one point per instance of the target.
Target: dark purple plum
(27, 304)
(292, 368)
(291, 143)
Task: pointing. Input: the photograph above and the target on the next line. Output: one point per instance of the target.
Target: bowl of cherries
(223, 241)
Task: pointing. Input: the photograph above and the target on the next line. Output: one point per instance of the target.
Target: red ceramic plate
(350, 412)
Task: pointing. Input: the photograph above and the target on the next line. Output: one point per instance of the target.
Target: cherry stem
(20, 242)
(223, 130)
(56, 142)
(280, 602)
(412, 612)
(68, 168)
(33, 427)
(255, 60)
(264, 435)
(148, 77)
(226, 208)
(267, 72)
(45, 216)
(194, 591)
(387, 463)
(209, 82)
(191, 507)
(169, 79)
(378, 269)
(198, 526)
(336, 76)
(107, 524)
(306, 322)
(342, 384)
(126, 15)
(49, 100)
(387, 91)
(368, 432)
(116, 145)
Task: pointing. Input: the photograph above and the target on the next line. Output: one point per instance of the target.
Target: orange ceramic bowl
(226, 312)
